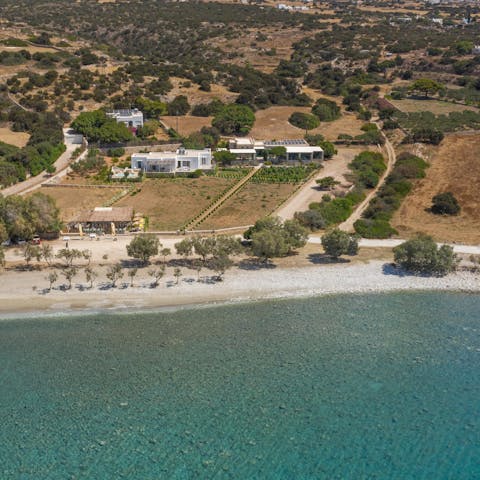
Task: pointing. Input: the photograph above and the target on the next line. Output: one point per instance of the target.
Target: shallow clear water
(343, 387)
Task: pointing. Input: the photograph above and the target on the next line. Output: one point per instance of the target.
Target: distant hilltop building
(183, 160)
(132, 118)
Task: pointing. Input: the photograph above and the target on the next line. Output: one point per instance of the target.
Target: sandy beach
(18, 296)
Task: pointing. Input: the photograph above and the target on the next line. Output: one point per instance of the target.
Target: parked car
(36, 240)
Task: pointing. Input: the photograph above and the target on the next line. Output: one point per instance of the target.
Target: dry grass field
(19, 139)
(185, 125)
(455, 167)
(170, 203)
(29, 48)
(71, 201)
(253, 201)
(435, 106)
(195, 95)
(272, 124)
(252, 50)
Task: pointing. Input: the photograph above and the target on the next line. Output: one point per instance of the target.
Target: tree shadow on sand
(255, 264)
(323, 259)
(395, 270)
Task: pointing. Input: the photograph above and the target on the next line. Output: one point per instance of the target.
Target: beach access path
(347, 225)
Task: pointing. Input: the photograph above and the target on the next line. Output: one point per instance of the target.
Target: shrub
(328, 148)
(445, 204)
(116, 152)
(374, 228)
(326, 110)
(425, 135)
(311, 219)
(304, 121)
(314, 138)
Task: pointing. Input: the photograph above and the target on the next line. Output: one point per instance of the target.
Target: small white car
(92, 235)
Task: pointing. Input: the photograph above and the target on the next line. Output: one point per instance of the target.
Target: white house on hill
(182, 160)
(132, 118)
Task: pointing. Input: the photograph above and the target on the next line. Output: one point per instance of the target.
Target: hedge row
(376, 218)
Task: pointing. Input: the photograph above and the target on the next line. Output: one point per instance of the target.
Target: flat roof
(243, 150)
(285, 143)
(302, 149)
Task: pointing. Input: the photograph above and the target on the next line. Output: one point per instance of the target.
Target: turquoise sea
(381, 386)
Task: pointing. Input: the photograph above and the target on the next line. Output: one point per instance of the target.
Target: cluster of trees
(234, 119)
(326, 110)
(214, 252)
(428, 127)
(271, 238)
(375, 221)
(421, 255)
(22, 218)
(367, 168)
(261, 90)
(97, 127)
(43, 148)
(330, 211)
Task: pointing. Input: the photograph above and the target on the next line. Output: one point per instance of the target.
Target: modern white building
(296, 151)
(182, 160)
(132, 118)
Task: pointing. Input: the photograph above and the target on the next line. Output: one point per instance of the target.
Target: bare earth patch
(72, 201)
(272, 124)
(170, 203)
(186, 125)
(252, 202)
(455, 168)
(19, 139)
(435, 106)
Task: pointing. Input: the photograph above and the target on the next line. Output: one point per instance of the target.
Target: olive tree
(422, 255)
(337, 243)
(157, 274)
(143, 247)
(115, 273)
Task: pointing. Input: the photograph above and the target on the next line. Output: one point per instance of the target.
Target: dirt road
(336, 168)
(347, 226)
(33, 183)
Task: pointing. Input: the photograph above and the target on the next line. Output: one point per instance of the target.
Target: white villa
(182, 160)
(297, 151)
(132, 118)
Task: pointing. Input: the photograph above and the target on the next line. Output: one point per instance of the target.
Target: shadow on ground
(323, 259)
